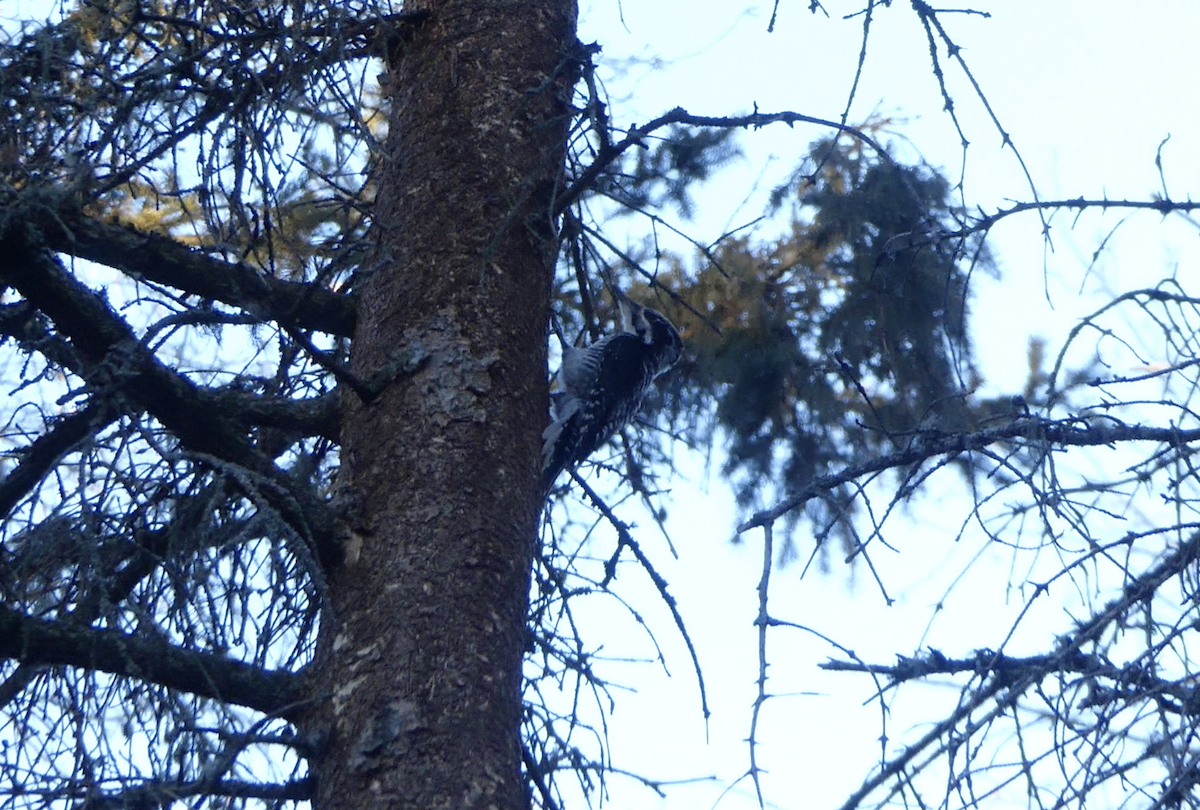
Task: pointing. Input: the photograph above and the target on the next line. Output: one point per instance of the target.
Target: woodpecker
(602, 386)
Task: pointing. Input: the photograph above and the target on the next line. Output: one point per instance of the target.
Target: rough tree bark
(420, 650)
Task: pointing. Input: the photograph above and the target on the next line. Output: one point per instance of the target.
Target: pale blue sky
(1088, 91)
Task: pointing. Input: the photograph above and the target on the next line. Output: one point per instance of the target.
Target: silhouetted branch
(970, 703)
(44, 452)
(120, 359)
(164, 260)
(1130, 680)
(1008, 678)
(1028, 430)
(29, 328)
(316, 416)
(625, 540)
(102, 337)
(152, 795)
(985, 222)
(40, 641)
(609, 153)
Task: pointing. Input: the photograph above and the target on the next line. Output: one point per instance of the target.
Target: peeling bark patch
(352, 548)
(343, 694)
(409, 358)
(389, 725)
(453, 380)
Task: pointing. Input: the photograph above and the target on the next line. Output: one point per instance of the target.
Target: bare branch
(985, 222)
(1130, 678)
(927, 444)
(101, 336)
(104, 339)
(1007, 679)
(636, 135)
(164, 260)
(625, 540)
(151, 795)
(317, 416)
(40, 641)
(29, 328)
(45, 451)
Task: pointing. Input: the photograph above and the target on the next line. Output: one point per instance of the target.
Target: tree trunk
(420, 649)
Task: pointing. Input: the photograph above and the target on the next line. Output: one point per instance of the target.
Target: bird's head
(653, 328)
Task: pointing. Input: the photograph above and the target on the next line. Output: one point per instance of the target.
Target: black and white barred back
(603, 385)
